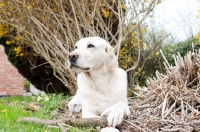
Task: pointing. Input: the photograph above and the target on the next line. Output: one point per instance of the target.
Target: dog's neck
(96, 77)
(97, 74)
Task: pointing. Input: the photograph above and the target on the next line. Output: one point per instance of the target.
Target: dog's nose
(73, 56)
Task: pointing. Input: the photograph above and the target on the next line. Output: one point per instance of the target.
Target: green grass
(18, 106)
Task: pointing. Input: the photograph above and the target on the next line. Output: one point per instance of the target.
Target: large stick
(98, 121)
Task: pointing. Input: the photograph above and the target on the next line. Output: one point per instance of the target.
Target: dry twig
(99, 121)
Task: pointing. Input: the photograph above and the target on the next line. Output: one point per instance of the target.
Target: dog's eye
(75, 47)
(90, 46)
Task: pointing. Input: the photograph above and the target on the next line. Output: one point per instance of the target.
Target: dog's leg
(115, 113)
(88, 115)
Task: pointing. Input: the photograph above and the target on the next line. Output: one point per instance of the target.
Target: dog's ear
(111, 60)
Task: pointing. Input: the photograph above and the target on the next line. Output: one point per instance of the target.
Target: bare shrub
(51, 27)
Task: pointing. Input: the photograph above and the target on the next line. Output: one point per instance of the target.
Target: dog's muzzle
(72, 59)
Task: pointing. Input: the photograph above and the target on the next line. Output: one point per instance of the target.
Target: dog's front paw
(115, 113)
(109, 129)
(74, 105)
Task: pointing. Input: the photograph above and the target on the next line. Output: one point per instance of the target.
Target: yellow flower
(54, 9)
(128, 59)
(123, 66)
(197, 36)
(134, 44)
(11, 8)
(29, 7)
(3, 111)
(12, 41)
(122, 49)
(199, 69)
(123, 6)
(18, 50)
(2, 5)
(144, 46)
(8, 42)
(9, 13)
(134, 33)
(143, 31)
(46, 130)
(16, 38)
(105, 13)
(132, 41)
(21, 54)
(90, 22)
(120, 54)
(157, 53)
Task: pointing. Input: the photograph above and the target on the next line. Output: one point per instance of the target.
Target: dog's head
(92, 53)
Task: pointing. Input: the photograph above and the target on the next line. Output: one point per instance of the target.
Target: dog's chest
(101, 93)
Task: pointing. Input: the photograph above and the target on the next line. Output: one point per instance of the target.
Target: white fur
(102, 90)
(109, 129)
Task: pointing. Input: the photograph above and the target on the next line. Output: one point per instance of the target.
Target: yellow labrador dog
(102, 86)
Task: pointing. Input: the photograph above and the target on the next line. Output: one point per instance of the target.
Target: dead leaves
(32, 107)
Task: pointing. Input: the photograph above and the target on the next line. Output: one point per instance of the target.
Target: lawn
(32, 106)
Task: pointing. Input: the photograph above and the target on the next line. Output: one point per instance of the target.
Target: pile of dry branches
(170, 102)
